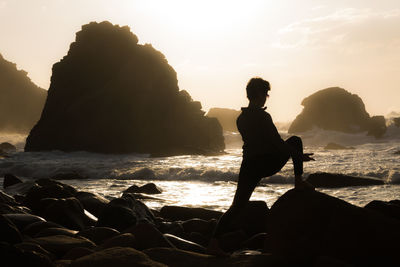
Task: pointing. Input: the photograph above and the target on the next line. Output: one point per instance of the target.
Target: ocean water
(210, 181)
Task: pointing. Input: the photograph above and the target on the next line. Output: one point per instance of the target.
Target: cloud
(350, 28)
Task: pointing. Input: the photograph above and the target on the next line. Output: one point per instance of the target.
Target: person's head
(257, 90)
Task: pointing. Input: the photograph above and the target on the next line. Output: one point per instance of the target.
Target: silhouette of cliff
(336, 109)
(21, 101)
(110, 94)
(226, 117)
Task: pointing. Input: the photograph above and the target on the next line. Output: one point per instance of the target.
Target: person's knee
(295, 140)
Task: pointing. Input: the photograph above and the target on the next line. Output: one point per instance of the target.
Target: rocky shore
(48, 223)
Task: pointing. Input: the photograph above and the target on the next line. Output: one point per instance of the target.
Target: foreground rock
(332, 180)
(336, 109)
(21, 100)
(304, 225)
(152, 114)
(176, 213)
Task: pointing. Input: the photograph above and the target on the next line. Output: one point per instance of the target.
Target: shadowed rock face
(110, 94)
(226, 117)
(336, 109)
(21, 101)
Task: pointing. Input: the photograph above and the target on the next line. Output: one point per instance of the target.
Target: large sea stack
(110, 94)
(21, 101)
(336, 109)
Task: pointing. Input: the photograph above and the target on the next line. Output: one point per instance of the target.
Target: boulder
(177, 213)
(94, 203)
(77, 253)
(34, 228)
(13, 256)
(149, 188)
(334, 146)
(336, 109)
(124, 212)
(304, 225)
(9, 233)
(184, 244)
(116, 257)
(200, 226)
(20, 189)
(7, 147)
(387, 208)
(7, 199)
(148, 236)
(56, 231)
(98, 234)
(253, 219)
(23, 220)
(21, 100)
(10, 179)
(334, 180)
(152, 116)
(61, 244)
(32, 247)
(226, 117)
(122, 240)
(68, 212)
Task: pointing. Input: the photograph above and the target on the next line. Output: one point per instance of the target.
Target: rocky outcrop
(336, 109)
(110, 94)
(335, 180)
(226, 117)
(21, 100)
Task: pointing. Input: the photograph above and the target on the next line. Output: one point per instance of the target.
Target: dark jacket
(259, 134)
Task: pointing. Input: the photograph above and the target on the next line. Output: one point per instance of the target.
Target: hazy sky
(216, 45)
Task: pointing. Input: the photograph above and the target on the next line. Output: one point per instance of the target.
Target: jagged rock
(21, 100)
(149, 188)
(104, 66)
(94, 203)
(116, 257)
(334, 146)
(20, 189)
(226, 117)
(177, 213)
(330, 180)
(338, 110)
(7, 147)
(304, 225)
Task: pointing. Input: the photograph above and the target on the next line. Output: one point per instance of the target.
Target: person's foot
(215, 250)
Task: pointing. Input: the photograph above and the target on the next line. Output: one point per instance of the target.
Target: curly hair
(257, 86)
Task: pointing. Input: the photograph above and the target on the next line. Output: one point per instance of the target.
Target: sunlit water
(210, 182)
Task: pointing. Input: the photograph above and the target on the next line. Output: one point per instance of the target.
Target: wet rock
(149, 188)
(23, 220)
(7, 199)
(8, 231)
(7, 147)
(56, 231)
(94, 203)
(198, 238)
(122, 240)
(80, 112)
(184, 244)
(77, 253)
(334, 146)
(174, 228)
(13, 256)
(198, 225)
(116, 257)
(32, 247)
(10, 179)
(50, 182)
(177, 213)
(98, 234)
(305, 224)
(34, 228)
(67, 212)
(20, 189)
(124, 212)
(61, 244)
(255, 242)
(148, 236)
(333, 180)
(386, 208)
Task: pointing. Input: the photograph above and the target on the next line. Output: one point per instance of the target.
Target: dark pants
(251, 172)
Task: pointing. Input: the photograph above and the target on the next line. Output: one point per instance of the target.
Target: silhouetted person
(264, 154)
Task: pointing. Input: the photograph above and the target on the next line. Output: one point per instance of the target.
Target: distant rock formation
(336, 109)
(21, 101)
(396, 121)
(110, 94)
(334, 146)
(226, 117)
